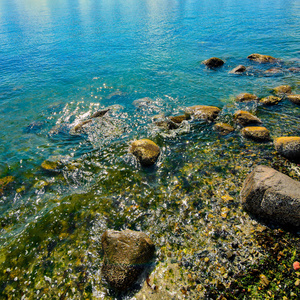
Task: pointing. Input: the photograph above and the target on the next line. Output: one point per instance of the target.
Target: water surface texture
(63, 60)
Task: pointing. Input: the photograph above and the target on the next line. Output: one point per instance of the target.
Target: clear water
(62, 60)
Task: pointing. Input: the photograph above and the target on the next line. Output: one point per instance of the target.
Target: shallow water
(61, 61)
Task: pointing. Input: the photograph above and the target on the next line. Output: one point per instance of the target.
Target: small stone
(264, 281)
(257, 133)
(261, 58)
(294, 98)
(297, 282)
(238, 70)
(245, 118)
(288, 147)
(146, 151)
(296, 265)
(282, 89)
(270, 100)
(243, 97)
(223, 128)
(204, 112)
(213, 62)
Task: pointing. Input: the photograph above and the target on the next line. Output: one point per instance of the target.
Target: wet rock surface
(288, 147)
(223, 128)
(245, 118)
(243, 97)
(294, 98)
(204, 112)
(127, 255)
(272, 196)
(213, 62)
(282, 90)
(256, 133)
(270, 100)
(261, 58)
(238, 70)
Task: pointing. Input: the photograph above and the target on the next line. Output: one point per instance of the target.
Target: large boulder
(204, 112)
(282, 90)
(213, 62)
(270, 100)
(256, 133)
(127, 256)
(288, 146)
(245, 118)
(146, 151)
(272, 196)
(262, 58)
(243, 97)
(294, 98)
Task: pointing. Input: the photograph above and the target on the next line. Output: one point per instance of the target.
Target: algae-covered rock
(270, 100)
(127, 255)
(245, 118)
(4, 182)
(243, 97)
(223, 128)
(261, 58)
(272, 196)
(288, 146)
(204, 112)
(238, 70)
(213, 62)
(50, 165)
(179, 119)
(294, 98)
(256, 133)
(146, 151)
(282, 90)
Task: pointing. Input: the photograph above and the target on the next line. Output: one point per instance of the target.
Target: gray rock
(127, 256)
(288, 146)
(272, 196)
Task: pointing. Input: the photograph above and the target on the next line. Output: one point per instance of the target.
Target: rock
(272, 196)
(223, 128)
(294, 69)
(79, 126)
(204, 112)
(179, 119)
(245, 118)
(50, 165)
(100, 113)
(142, 102)
(282, 89)
(288, 147)
(213, 62)
(294, 98)
(273, 71)
(127, 255)
(256, 133)
(270, 100)
(261, 58)
(4, 182)
(167, 124)
(146, 151)
(243, 97)
(238, 70)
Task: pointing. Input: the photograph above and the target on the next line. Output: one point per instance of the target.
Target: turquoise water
(62, 60)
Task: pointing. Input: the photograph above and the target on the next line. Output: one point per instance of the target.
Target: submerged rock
(270, 100)
(243, 97)
(261, 58)
(256, 133)
(100, 113)
(213, 62)
(223, 128)
(146, 151)
(51, 165)
(288, 146)
(282, 89)
(127, 256)
(245, 118)
(294, 98)
(4, 182)
(272, 196)
(204, 112)
(238, 70)
(143, 102)
(274, 71)
(179, 119)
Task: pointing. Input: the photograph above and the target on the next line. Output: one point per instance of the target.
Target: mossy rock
(204, 112)
(282, 90)
(146, 151)
(4, 182)
(294, 98)
(244, 97)
(262, 58)
(256, 133)
(179, 119)
(213, 62)
(51, 165)
(223, 128)
(288, 146)
(245, 118)
(270, 100)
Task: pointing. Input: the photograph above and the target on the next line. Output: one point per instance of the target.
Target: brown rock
(261, 58)
(213, 62)
(270, 100)
(127, 255)
(208, 113)
(294, 98)
(256, 133)
(146, 151)
(179, 119)
(223, 128)
(272, 196)
(243, 97)
(288, 146)
(282, 89)
(245, 118)
(273, 71)
(238, 70)
(4, 182)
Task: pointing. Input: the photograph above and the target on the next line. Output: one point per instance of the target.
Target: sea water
(61, 61)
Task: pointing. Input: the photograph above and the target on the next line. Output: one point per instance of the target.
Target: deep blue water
(60, 60)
